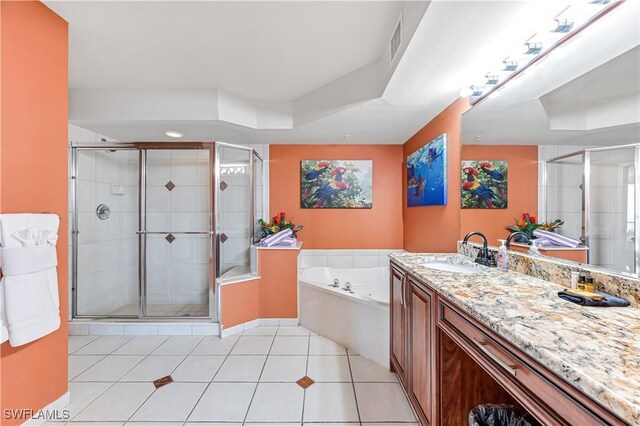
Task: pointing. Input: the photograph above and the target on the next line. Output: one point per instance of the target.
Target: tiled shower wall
(107, 249)
(178, 200)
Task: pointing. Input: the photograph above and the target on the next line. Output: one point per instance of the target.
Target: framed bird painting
(484, 184)
(336, 184)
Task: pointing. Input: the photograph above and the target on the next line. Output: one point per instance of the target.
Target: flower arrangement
(278, 223)
(528, 224)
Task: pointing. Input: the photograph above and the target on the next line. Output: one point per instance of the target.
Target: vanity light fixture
(173, 134)
(571, 18)
(233, 169)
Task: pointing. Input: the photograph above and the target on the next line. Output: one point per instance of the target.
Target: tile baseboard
(110, 328)
(260, 322)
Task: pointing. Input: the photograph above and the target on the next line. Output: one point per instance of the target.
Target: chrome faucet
(483, 257)
(513, 235)
(336, 283)
(347, 287)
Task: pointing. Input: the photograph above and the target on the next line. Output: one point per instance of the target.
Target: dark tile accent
(223, 238)
(170, 238)
(305, 382)
(162, 381)
(170, 185)
(223, 185)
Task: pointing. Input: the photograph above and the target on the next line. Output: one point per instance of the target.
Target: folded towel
(552, 238)
(580, 299)
(277, 238)
(29, 284)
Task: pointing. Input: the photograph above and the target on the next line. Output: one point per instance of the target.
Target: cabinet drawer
(526, 380)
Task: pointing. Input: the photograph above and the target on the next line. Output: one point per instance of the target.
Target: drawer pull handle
(510, 368)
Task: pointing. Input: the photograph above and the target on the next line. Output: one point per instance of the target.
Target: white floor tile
(261, 331)
(90, 424)
(140, 345)
(284, 368)
(198, 368)
(109, 369)
(383, 402)
(293, 330)
(290, 345)
(215, 346)
(151, 424)
(322, 346)
(76, 342)
(364, 370)
(82, 394)
(118, 402)
(153, 368)
(276, 402)
(80, 363)
(252, 345)
(330, 402)
(178, 345)
(103, 345)
(172, 402)
(329, 369)
(213, 424)
(241, 368)
(224, 402)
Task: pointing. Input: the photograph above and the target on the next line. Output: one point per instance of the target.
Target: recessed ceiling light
(173, 134)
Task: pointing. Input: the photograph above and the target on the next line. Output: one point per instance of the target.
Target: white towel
(29, 285)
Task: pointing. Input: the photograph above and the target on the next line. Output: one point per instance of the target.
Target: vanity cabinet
(448, 363)
(398, 326)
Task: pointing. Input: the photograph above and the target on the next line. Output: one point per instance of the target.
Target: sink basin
(451, 267)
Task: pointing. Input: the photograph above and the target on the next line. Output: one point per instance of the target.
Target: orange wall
(436, 228)
(379, 227)
(522, 190)
(33, 178)
(240, 302)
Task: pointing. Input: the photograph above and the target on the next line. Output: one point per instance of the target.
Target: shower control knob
(103, 212)
(336, 283)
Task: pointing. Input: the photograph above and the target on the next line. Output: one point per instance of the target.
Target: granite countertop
(597, 350)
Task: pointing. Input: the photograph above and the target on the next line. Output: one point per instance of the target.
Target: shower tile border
(111, 328)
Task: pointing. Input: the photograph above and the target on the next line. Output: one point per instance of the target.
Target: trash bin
(500, 415)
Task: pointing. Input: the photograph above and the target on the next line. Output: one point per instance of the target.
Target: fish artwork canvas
(484, 184)
(427, 174)
(336, 184)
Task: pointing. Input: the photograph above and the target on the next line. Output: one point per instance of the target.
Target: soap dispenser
(502, 258)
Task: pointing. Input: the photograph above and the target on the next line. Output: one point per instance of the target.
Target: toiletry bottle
(581, 281)
(575, 276)
(502, 258)
(533, 250)
(589, 285)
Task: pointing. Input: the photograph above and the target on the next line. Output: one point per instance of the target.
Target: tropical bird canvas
(341, 184)
(483, 184)
(427, 174)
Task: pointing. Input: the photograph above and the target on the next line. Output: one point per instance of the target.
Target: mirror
(566, 134)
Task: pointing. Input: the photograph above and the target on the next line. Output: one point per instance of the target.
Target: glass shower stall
(157, 226)
(595, 191)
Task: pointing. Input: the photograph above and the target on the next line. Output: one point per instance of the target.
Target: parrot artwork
(495, 176)
(328, 191)
(312, 176)
(479, 191)
(471, 173)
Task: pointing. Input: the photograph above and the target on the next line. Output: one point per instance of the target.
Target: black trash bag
(500, 415)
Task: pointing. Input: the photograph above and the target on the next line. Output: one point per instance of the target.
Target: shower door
(175, 232)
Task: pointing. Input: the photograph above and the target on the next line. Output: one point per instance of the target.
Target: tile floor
(245, 379)
(165, 310)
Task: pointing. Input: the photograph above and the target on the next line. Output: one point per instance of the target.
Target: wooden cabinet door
(398, 323)
(420, 357)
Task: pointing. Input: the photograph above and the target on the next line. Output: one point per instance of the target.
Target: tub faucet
(514, 235)
(483, 257)
(347, 287)
(336, 283)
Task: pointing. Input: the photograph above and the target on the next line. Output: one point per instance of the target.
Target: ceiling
(278, 72)
(586, 93)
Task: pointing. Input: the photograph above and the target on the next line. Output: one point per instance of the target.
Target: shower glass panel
(564, 200)
(259, 196)
(235, 224)
(106, 203)
(176, 237)
(612, 213)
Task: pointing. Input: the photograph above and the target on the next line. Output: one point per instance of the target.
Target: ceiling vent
(396, 40)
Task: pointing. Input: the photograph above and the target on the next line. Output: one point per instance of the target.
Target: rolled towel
(557, 239)
(274, 239)
(606, 301)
